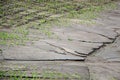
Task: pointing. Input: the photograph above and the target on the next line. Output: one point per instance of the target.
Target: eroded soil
(91, 51)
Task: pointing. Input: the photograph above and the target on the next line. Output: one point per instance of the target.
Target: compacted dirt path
(92, 52)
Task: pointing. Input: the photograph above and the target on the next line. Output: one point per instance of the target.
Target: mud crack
(1, 55)
(105, 44)
(66, 50)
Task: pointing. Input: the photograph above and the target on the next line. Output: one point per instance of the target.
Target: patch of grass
(45, 75)
(22, 30)
(91, 12)
(84, 12)
(8, 36)
(69, 39)
(18, 36)
(113, 78)
(58, 75)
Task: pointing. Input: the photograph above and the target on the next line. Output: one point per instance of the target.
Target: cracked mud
(97, 45)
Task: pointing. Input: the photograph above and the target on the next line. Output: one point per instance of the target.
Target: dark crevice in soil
(89, 74)
(95, 42)
(6, 77)
(96, 49)
(105, 44)
(99, 34)
(81, 54)
(57, 52)
(5, 59)
(1, 55)
(65, 50)
(105, 36)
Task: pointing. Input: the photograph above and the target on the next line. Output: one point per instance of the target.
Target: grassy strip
(18, 36)
(84, 12)
(6, 36)
(45, 75)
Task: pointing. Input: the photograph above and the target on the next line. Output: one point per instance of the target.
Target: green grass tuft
(8, 36)
(47, 74)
